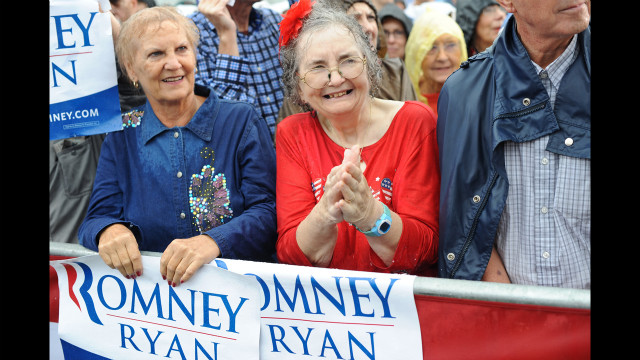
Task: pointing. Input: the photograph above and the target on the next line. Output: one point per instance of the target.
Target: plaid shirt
(254, 76)
(544, 236)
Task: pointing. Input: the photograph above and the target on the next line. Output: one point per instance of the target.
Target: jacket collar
(522, 110)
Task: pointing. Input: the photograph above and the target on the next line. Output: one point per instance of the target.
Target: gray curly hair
(325, 14)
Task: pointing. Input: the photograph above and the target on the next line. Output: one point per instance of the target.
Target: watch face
(384, 227)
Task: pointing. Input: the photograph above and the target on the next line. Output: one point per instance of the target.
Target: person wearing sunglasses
(357, 176)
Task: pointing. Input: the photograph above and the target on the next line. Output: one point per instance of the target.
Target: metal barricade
(450, 288)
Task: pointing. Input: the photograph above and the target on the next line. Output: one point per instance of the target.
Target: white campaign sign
(215, 315)
(83, 84)
(319, 313)
(234, 309)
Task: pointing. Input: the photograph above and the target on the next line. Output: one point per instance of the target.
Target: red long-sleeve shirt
(402, 171)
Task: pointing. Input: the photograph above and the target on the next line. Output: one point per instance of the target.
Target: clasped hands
(118, 248)
(347, 195)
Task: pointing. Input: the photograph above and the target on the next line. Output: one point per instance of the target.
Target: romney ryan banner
(102, 315)
(298, 312)
(83, 88)
(319, 313)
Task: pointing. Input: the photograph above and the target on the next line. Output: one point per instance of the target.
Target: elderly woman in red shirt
(357, 178)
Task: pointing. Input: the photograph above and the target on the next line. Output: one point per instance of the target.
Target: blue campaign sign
(83, 89)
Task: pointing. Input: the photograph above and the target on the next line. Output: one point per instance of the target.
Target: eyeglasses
(319, 77)
(449, 47)
(395, 33)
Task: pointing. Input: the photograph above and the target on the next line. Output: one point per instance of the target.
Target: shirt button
(476, 199)
(176, 134)
(568, 141)
(179, 174)
(526, 101)
(451, 256)
(182, 215)
(543, 74)
(546, 254)
(544, 210)
(544, 161)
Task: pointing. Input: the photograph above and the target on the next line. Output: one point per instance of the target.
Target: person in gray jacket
(514, 137)
(396, 27)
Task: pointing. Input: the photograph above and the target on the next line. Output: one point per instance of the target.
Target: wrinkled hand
(183, 257)
(216, 11)
(118, 249)
(350, 191)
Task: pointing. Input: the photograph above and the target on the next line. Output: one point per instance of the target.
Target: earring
(135, 84)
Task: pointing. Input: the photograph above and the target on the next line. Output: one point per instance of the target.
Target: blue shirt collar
(201, 125)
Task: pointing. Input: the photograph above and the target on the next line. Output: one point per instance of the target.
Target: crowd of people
(434, 138)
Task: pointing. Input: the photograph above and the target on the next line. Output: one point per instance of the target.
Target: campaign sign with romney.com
(83, 87)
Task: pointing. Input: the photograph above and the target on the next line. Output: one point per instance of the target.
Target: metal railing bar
(450, 288)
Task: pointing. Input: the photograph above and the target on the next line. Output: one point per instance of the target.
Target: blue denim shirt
(216, 176)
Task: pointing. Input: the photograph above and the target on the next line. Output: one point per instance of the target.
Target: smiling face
(164, 64)
(440, 62)
(327, 48)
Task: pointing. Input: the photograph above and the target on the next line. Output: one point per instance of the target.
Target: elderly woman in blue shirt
(190, 175)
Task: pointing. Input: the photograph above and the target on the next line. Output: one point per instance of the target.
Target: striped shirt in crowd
(255, 75)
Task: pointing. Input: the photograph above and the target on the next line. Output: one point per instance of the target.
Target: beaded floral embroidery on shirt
(209, 197)
(132, 118)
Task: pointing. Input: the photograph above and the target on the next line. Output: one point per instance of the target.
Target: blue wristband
(382, 225)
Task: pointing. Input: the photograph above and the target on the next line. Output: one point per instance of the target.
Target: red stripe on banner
(464, 329)
(324, 321)
(169, 326)
(54, 295)
(72, 276)
(54, 292)
(59, 257)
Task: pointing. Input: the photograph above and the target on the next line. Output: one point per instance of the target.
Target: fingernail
(169, 282)
(139, 273)
(127, 276)
(164, 277)
(173, 284)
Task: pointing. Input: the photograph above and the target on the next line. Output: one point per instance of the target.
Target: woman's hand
(357, 204)
(183, 257)
(118, 248)
(216, 11)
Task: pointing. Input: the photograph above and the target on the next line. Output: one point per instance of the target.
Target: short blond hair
(146, 21)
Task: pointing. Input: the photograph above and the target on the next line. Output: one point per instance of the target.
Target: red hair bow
(292, 21)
